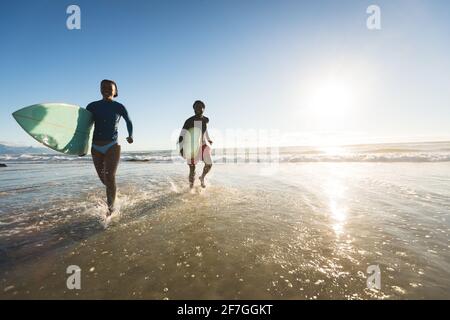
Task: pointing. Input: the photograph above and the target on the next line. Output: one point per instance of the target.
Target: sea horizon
(437, 151)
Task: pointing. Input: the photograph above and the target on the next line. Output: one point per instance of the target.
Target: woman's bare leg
(98, 159)
(111, 163)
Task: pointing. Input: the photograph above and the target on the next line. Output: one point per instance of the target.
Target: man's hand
(130, 140)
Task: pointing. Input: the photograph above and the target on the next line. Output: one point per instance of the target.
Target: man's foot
(191, 185)
(202, 181)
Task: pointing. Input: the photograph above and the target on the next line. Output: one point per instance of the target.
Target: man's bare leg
(206, 169)
(191, 175)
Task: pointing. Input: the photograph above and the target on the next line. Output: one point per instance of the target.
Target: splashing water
(310, 231)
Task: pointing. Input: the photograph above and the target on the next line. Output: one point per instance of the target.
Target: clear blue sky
(310, 70)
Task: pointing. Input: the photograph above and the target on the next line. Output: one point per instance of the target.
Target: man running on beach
(204, 154)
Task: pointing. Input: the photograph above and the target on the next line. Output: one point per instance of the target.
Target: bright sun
(330, 103)
(331, 99)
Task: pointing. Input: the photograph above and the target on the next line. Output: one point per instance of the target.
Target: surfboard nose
(14, 114)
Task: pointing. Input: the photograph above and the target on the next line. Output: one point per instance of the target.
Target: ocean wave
(243, 159)
(393, 150)
(283, 157)
(37, 157)
(371, 158)
(148, 158)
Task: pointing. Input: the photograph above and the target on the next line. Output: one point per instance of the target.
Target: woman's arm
(127, 119)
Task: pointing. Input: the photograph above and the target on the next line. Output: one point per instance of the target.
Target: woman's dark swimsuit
(106, 118)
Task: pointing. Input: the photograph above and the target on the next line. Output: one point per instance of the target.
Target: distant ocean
(293, 223)
(394, 152)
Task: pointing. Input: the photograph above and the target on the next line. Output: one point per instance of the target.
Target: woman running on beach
(105, 148)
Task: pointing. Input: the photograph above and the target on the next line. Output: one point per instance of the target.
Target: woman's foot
(110, 211)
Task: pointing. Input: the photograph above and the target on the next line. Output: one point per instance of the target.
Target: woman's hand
(130, 140)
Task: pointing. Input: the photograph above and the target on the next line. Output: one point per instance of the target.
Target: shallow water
(259, 231)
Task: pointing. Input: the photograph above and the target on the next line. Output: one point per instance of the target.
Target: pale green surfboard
(62, 127)
(192, 143)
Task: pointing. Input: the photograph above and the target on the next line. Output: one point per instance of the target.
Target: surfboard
(192, 142)
(62, 127)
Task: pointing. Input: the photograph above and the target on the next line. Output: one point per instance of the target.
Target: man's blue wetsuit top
(106, 118)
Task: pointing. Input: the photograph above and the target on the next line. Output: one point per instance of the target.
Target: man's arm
(207, 138)
(185, 127)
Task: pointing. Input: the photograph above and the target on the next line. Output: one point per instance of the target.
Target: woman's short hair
(106, 81)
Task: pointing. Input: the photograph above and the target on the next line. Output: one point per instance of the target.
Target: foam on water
(100, 210)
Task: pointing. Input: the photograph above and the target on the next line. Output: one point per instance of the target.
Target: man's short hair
(199, 103)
